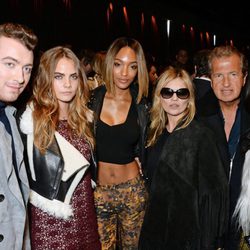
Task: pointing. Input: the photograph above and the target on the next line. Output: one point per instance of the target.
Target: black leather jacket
(48, 167)
(96, 102)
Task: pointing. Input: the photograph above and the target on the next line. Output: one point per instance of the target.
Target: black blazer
(202, 86)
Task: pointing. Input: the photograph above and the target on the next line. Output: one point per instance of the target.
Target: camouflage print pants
(120, 211)
(243, 244)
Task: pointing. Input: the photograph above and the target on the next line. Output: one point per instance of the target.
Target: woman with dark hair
(56, 130)
(121, 118)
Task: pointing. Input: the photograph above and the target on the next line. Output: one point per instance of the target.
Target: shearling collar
(26, 120)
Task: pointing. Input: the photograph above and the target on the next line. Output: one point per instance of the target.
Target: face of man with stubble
(16, 63)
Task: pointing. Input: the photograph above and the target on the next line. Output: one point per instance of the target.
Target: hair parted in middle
(46, 107)
(158, 115)
(142, 75)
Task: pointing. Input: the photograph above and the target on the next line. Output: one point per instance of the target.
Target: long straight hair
(142, 75)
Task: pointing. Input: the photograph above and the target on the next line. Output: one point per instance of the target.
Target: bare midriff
(112, 174)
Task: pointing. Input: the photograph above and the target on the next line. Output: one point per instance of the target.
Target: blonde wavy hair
(158, 115)
(142, 75)
(46, 107)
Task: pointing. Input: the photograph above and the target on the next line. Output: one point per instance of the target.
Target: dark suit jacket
(202, 86)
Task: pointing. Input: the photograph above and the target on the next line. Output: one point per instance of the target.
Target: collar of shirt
(2, 106)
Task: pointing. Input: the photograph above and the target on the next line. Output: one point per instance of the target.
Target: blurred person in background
(201, 77)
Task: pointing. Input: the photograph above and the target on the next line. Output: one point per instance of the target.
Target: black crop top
(116, 143)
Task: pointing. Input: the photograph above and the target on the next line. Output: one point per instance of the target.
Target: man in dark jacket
(223, 111)
(202, 81)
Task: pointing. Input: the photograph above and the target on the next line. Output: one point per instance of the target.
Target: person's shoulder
(207, 105)
(134, 89)
(202, 129)
(95, 95)
(194, 133)
(144, 105)
(10, 109)
(144, 101)
(98, 90)
(197, 124)
(198, 127)
(194, 126)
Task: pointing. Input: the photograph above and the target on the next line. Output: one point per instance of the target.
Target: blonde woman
(56, 132)
(188, 191)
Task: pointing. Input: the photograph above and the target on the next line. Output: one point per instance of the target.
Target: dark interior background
(85, 24)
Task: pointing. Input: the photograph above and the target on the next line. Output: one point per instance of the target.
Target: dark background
(84, 24)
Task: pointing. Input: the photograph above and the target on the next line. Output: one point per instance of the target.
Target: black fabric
(208, 111)
(202, 86)
(49, 167)
(116, 143)
(152, 156)
(142, 108)
(188, 196)
(5, 121)
(245, 141)
(234, 136)
(3, 118)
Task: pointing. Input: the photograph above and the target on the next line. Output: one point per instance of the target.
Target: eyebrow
(233, 71)
(123, 61)
(59, 73)
(16, 61)
(10, 58)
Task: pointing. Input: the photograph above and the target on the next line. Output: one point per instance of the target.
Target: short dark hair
(200, 60)
(86, 56)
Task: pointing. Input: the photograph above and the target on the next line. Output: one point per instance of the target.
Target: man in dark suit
(202, 81)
